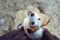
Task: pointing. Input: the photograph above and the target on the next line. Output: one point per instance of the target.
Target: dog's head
(34, 20)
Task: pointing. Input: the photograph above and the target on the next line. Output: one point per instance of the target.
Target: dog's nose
(32, 14)
(32, 23)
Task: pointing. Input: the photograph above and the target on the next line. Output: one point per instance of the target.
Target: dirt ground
(50, 7)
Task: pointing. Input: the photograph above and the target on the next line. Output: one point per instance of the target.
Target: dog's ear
(45, 22)
(45, 19)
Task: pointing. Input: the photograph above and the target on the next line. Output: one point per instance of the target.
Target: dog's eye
(38, 18)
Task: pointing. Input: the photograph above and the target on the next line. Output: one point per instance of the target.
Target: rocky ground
(50, 7)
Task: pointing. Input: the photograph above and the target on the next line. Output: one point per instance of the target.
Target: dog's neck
(36, 35)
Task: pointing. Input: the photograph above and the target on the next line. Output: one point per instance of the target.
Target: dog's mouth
(32, 29)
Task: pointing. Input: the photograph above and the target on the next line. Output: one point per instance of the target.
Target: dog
(33, 25)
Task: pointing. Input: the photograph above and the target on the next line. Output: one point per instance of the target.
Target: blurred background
(8, 9)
